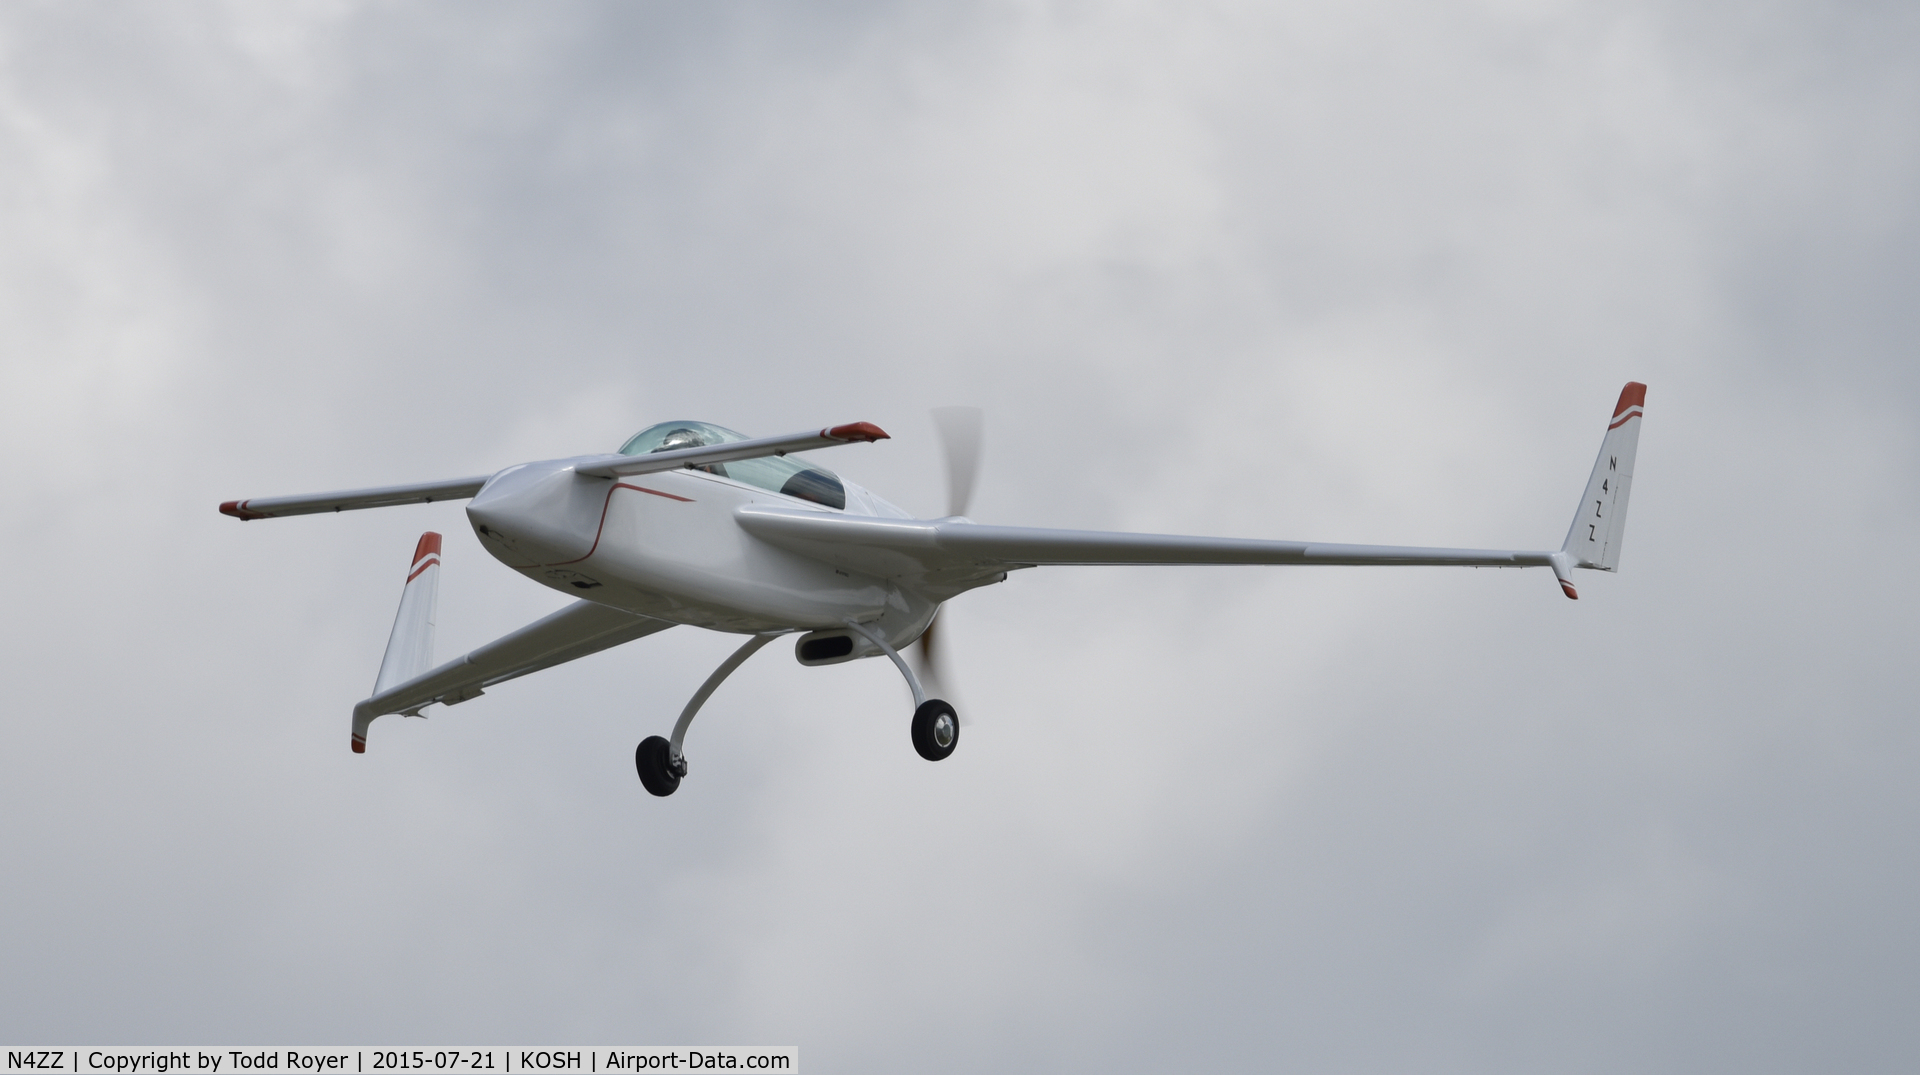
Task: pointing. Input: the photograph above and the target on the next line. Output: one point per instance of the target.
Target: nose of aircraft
(539, 513)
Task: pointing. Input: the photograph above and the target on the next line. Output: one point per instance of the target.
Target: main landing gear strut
(936, 727)
(662, 763)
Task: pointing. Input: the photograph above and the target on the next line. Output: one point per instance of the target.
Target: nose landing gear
(656, 767)
(662, 762)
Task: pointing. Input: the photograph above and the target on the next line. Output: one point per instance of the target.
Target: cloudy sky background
(1356, 272)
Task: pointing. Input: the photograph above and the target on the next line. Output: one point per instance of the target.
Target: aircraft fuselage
(666, 545)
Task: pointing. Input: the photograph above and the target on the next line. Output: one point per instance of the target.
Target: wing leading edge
(954, 548)
(581, 628)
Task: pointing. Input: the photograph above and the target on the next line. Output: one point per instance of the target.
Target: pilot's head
(680, 438)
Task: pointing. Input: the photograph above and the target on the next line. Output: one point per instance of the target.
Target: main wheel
(936, 729)
(654, 759)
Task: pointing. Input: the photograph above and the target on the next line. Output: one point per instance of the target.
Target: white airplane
(690, 523)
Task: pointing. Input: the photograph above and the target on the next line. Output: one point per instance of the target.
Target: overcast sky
(1351, 272)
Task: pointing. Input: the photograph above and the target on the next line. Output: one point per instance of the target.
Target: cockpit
(774, 473)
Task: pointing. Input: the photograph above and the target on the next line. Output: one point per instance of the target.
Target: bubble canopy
(774, 473)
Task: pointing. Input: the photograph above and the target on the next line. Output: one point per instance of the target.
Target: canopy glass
(774, 473)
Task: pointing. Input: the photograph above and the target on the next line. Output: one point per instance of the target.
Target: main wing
(943, 557)
(956, 551)
(581, 628)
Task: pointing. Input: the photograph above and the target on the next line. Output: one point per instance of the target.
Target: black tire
(653, 758)
(936, 729)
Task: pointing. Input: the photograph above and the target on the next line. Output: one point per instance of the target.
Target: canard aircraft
(690, 523)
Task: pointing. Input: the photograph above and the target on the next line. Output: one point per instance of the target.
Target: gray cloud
(1365, 274)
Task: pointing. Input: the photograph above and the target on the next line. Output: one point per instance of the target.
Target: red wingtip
(1634, 395)
(857, 431)
(1568, 587)
(239, 510)
(429, 546)
(359, 745)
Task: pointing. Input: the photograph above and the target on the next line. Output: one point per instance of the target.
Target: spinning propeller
(960, 436)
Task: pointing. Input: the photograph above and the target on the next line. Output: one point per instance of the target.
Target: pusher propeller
(960, 439)
(960, 442)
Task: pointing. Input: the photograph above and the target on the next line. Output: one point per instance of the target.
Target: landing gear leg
(662, 762)
(936, 728)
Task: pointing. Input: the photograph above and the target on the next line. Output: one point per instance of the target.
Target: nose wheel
(654, 759)
(936, 729)
(662, 762)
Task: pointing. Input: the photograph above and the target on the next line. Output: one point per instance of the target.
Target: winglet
(1600, 523)
(410, 647)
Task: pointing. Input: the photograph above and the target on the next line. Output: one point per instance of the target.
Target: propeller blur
(693, 524)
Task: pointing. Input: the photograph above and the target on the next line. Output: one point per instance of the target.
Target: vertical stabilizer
(410, 647)
(1601, 521)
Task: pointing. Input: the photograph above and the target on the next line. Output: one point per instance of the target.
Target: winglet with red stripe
(410, 647)
(1600, 523)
